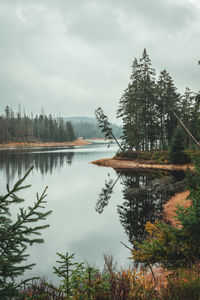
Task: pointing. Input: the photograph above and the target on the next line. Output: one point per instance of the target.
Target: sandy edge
(47, 144)
(125, 164)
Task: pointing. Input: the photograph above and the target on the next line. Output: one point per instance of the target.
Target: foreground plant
(80, 281)
(16, 236)
(183, 284)
(40, 289)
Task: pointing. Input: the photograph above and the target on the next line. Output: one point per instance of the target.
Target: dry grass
(44, 144)
(169, 208)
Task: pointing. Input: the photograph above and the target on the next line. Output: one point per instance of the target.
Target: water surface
(82, 222)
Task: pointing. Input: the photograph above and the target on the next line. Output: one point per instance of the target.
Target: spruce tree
(166, 99)
(15, 236)
(147, 96)
(69, 272)
(177, 154)
(195, 117)
(130, 109)
(137, 107)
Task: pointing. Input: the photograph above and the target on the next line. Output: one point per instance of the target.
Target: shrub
(40, 289)
(183, 285)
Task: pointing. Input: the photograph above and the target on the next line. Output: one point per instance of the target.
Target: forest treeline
(147, 109)
(22, 128)
(18, 127)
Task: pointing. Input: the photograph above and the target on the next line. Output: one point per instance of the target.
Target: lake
(86, 219)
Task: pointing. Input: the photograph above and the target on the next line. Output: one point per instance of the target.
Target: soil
(126, 164)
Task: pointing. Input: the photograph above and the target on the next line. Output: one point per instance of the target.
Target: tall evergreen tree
(195, 117)
(147, 96)
(186, 108)
(177, 154)
(166, 99)
(130, 109)
(137, 106)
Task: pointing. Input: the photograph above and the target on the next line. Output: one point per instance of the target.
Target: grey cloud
(103, 22)
(73, 56)
(166, 14)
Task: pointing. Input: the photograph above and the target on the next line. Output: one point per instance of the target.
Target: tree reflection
(144, 194)
(17, 162)
(106, 193)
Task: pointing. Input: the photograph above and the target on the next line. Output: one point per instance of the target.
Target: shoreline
(169, 208)
(23, 145)
(127, 164)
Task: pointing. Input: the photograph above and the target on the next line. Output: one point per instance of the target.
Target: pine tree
(186, 108)
(195, 117)
(130, 108)
(177, 154)
(15, 236)
(137, 107)
(68, 271)
(147, 96)
(167, 99)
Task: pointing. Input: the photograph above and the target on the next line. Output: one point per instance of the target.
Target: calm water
(83, 222)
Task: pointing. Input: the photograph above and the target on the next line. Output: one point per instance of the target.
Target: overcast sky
(71, 56)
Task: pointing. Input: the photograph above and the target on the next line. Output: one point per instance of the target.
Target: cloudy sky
(71, 56)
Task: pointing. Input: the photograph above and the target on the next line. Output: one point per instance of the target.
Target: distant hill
(80, 119)
(87, 127)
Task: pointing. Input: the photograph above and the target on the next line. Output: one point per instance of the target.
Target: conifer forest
(148, 107)
(22, 128)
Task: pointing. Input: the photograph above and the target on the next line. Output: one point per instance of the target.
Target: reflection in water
(17, 162)
(105, 194)
(144, 194)
(75, 226)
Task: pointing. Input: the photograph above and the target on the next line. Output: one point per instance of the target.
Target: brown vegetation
(169, 209)
(44, 144)
(126, 164)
